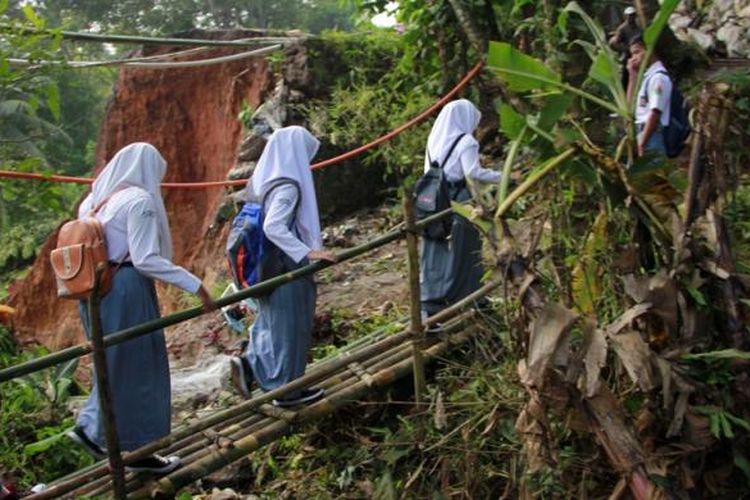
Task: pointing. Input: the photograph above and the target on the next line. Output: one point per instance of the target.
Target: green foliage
(371, 100)
(462, 439)
(48, 119)
(171, 16)
(34, 417)
(245, 115)
(721, 422)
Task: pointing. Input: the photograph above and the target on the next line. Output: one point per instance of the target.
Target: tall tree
(171, 16)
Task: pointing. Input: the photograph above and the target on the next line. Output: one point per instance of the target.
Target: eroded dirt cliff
(189, 114)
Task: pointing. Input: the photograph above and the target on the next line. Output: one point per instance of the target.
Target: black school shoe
(155, 464)
(306, 396)
(242, 376)
(78, 435)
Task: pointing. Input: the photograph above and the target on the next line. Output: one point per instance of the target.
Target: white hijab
(456, 118)
(288, 154)
(136, 165)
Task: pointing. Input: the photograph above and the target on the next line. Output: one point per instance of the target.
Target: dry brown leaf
(636, 287)
(698, 430)
(595, 357)
(713, 268)
(440, 418)
(665, 372)
(636, 357)
(548, 331)
(627, 317)
(705, 227)
(531, 433)
(675, 427)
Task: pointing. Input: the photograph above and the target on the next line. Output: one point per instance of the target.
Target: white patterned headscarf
(136, 165)
(288, 155)
(456, 118)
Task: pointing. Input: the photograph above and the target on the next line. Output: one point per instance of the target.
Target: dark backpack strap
(660, 72)
(282, 181)
(450, 152)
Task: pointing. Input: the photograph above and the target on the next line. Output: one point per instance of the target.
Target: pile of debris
(719, 27)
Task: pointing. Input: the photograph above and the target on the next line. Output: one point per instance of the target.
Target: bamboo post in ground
(105, 395)
(416, 328)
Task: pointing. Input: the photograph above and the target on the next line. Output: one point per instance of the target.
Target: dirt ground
(371, 283)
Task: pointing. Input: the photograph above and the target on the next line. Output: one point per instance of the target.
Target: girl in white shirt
(139, 247)
(452, 268)
(282, 332)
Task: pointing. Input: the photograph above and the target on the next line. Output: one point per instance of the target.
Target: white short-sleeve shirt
(655, 93)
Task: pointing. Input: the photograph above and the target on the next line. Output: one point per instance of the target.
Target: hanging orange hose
(240, 182)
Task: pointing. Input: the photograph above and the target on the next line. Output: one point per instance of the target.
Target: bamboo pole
(104, 391)
(147, 40)
(72, 482)
(260, 289)
(237, 431)
(415, 302)
(532, 179)
(169, 485)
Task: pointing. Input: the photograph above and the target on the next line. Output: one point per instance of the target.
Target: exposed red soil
(189, 114)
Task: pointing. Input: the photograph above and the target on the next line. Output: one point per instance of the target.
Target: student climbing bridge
(213, 442)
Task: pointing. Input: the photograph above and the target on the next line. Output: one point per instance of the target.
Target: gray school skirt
(138, 369)
(451, 269)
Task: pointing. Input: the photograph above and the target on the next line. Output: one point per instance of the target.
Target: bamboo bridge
(211, 443)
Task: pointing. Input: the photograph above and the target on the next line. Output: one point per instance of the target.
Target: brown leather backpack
(81, 250)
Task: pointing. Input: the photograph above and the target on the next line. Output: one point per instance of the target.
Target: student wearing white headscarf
(139, 247)
(451, 269)
(282, 332)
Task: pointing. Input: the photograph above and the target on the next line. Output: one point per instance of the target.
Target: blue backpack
(678, 130)
(253, 257)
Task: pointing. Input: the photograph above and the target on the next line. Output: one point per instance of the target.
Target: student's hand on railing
(323, 255)
(208, 303)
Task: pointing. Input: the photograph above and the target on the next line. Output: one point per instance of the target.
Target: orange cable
(240, 182)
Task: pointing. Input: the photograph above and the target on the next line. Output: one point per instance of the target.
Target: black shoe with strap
(305, 396)
(155, 464)
(242, 376)
(78, 435)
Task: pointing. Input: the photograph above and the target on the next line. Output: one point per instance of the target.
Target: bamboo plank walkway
(214, 442)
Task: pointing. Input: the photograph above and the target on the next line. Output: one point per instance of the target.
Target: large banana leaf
(523, 73)
(605, 68)
(511, 122)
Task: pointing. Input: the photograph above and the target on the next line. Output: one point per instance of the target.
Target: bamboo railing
(262, 288)
(218, 440)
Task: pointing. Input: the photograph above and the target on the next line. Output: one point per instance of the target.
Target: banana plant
(547, 129)
(525, 74)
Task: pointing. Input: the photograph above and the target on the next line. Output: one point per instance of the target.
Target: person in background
(281, 335)
(620, 41)
(452, 268)
(652, 107)
(139, 247)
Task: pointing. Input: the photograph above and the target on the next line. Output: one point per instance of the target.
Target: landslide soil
(189, 114)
